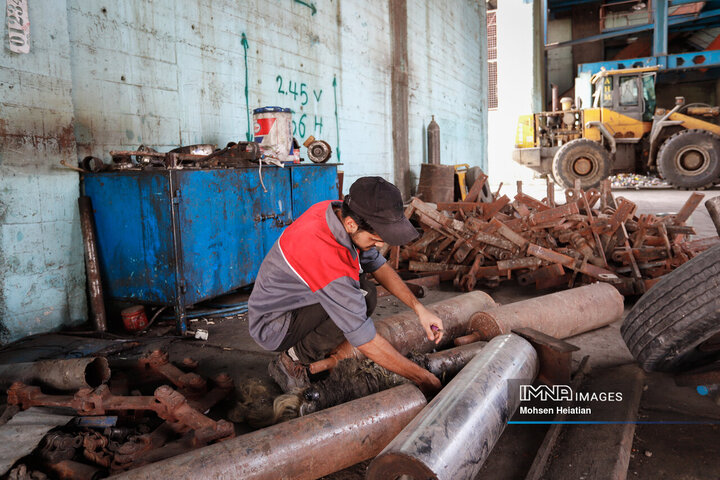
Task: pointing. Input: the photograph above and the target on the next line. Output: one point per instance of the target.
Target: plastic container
(134, 318)
(273, 132)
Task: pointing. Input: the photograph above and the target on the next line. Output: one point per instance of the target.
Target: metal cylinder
(404, 332)
(71, 374)
(449, 362)
(713, 208)
(433, 141)
(555, 98)
(560, 315)
(308, 447)
(437, 183)
(92, 264)
(455, 433)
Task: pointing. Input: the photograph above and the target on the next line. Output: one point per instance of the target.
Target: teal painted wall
(42, 274)
(115, 75)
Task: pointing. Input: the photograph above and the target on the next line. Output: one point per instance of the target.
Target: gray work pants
(312, 332)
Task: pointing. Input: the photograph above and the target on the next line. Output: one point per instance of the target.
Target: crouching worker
(311, 292)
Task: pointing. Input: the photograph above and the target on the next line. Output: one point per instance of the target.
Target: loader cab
(630, 92)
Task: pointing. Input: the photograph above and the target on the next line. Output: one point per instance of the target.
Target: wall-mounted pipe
(455, 433)
(304, 448)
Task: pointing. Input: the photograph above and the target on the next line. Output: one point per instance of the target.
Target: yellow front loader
(623, 132)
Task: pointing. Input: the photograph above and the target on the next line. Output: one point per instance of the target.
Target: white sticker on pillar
(18, 25)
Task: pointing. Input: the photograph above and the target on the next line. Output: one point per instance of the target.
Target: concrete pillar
(400, 95)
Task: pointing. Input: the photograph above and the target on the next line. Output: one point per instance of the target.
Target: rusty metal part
(346, 434)
(70, 374)
(70, 470)
(476, 189)
(319, 151)
(509, 233)
(550, 271)
(95, 449)
(519, 263)
(688, 208)
(167, 403)
(190, 383)
(560, 315)
(552, 214)
(456, 432)
(713, 208)
(554, 355)
(571, 263)
(406, 334)
(449, 362)
(92, 264)
(57, 446)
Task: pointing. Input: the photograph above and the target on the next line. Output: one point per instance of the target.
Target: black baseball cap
(380, 204)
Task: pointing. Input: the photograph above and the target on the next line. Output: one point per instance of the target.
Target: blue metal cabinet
(176, 237)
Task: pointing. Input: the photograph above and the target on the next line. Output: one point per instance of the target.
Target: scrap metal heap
(592, 237)
(141, 429)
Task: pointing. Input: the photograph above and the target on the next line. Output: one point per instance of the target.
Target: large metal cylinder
(437, 183)
(560, 315)
(452, 437)
(308, 447)
(71, 374)
(404, 332)
(713, 208)
(449, 362)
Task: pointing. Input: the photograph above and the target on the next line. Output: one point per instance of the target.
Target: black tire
(581, 159)
(690, 159)
(666, 328)
(471, 176)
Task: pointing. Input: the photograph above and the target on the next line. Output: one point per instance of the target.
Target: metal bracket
(555, 356)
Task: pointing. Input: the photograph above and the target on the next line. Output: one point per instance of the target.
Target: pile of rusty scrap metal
(591, 237)
(141, 429)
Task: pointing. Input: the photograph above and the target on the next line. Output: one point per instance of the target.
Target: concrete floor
(230, 349)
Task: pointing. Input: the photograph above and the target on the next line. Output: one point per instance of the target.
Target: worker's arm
(389, 279)
(381, 352)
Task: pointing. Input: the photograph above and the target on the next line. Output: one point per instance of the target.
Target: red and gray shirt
(313, 261)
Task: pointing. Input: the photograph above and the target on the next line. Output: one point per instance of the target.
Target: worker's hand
(431, 323)
(429, 385)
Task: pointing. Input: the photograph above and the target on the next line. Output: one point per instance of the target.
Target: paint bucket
(134, 318)
(273, 132)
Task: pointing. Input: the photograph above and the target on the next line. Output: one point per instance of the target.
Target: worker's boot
(289, 374)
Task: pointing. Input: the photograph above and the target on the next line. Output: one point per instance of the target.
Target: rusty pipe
(455, 433)
(71, 374)
(405, 333)
(92, 264)
(308, 447)
(713, 208)
(560, 315)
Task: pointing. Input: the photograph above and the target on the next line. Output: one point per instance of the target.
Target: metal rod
(456, 432)
(71, 374)
(308, 447)
(560, 315)
(713, 208)
(92, 264)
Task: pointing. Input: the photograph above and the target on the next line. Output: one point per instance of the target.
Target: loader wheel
(675, 325)
(690, 159)
(581, 159)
